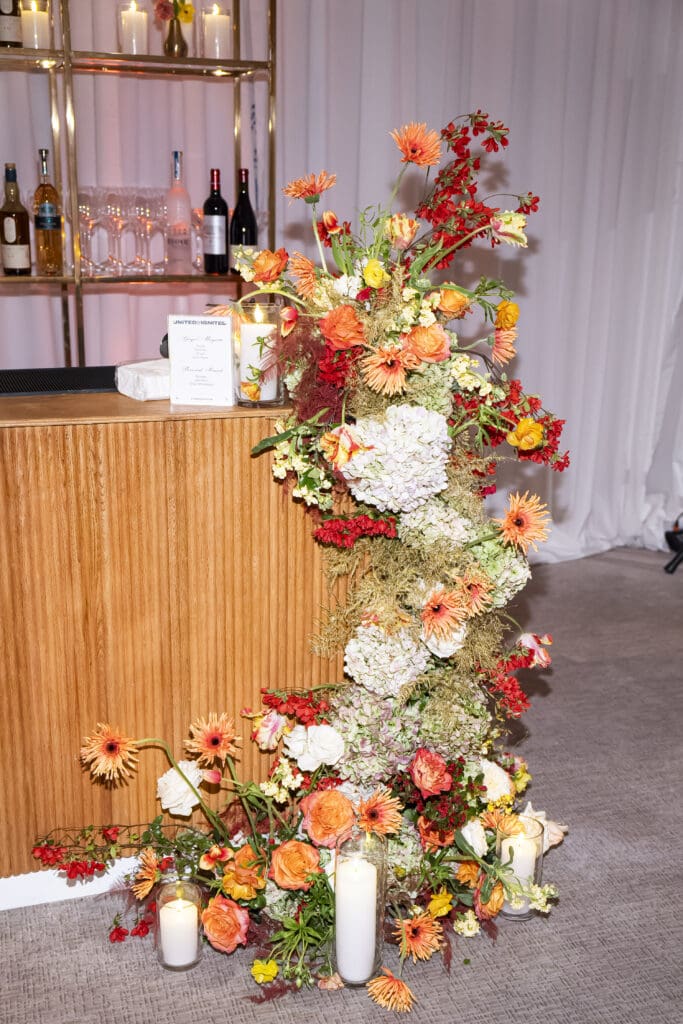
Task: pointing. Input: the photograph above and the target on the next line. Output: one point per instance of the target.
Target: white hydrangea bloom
(403, 458)
(348, 286)
(384, 662)
(432, 523)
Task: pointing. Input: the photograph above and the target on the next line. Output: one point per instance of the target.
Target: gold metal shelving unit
(63, 64)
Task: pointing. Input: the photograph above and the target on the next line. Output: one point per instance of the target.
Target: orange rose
(342, 329)
(269, 265)
(243, 877)
(328, 816)
(225, 924)
(433, 838)
(428, 772)
(430, 344)
(468, 873)
(507, 314)
(292, 863)
(453, 303)
(493, 905)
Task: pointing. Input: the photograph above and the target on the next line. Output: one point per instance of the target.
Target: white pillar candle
(253, 355)
(133, 36)
(35, 28)
(179, 933)
(216, 30)
(524, 852)
(355, 927)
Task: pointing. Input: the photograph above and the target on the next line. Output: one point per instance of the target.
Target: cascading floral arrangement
(392, 443)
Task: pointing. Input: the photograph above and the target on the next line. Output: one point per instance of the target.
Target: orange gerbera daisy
(310, 187)
(468, 873)
(108, 753)
(380, 813)
(418, 146)
(303, 270)
(504, 345)
(525, 522)
(419, 936)
(213, 739)
(384, 371)
(475, 587)
(146, 878)
(442, 613)
(391, 992)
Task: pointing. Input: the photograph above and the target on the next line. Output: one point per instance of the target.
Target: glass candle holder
(359, 905)
(179, 945)
(36, 30)
(133, 26)
(256, 332)
(216, 30)
(525, 853)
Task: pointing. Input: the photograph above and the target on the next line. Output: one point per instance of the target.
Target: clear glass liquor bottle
(47, 223)
(178, 221)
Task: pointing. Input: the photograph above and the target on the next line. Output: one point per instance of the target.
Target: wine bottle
(47, 223)
(178, 222)
(10, 23)
(243, 224)
(14, 230)
(215, 228)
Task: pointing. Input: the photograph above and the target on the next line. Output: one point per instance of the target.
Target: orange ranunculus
(328, 816)
(507, 314)
(342, 329)
(293, 863)
(269, 265)
(243, 876)
(468, 873)
(453, 303)
(428, 772)
(429, 344)
(433, 838)
(494, 903)
(225, 924)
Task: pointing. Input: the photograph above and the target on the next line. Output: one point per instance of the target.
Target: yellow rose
(527, 435)
(374, 275)
(440, 903)
(263, 971)
(507, 315)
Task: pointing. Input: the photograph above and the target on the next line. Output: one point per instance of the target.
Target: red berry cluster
(306, 709)
(445, 811)
(343, 533)
(336, 367)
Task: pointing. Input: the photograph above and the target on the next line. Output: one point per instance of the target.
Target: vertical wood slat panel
(150, 572)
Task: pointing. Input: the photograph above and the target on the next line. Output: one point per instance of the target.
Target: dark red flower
(118, 934)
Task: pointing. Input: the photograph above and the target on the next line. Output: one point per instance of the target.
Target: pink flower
(268, 729)
(212, 775)
(428, 772)
(533, 643)
(163, 10)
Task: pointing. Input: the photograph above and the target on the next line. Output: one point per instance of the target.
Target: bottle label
(10, 28)
(16, 257)
(9, 228)
(47, 218)
(178, 249)
(214, 235)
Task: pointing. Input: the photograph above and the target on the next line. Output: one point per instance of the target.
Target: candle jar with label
(524, 852)
(359, 904)
(36, 28)
(133, 20)
(216, 30)
(179, 916)
(256, 333)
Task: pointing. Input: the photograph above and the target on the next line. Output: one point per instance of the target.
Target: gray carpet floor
(603, 738)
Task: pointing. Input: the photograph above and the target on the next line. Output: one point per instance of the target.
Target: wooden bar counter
(151, 572)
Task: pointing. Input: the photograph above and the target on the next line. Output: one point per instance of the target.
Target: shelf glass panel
(123, 64)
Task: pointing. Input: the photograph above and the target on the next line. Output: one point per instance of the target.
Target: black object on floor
(58, 380)
(674, 538)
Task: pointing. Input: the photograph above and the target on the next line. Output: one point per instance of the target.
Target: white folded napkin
(147, 381)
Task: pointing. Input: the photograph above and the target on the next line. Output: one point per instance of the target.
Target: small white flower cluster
(348, 285)
(384, 662)
(313, 483)
(243, 261)
(402, 460)
(432, 523)
(464, 371)
(282, 782)
(540, 896)
(466, 924)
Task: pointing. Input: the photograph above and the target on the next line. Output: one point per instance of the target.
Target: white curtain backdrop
(591, 94)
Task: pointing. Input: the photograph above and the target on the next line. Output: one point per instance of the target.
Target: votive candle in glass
(359, 884)
(179, 944)
(133, 21)
(257, 333)
(525, 853)
(216, 36)
(35, 25)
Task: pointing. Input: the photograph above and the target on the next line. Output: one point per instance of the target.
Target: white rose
(175, 794)
(473, 833)
(310, 747)
(444, 648)
(497, 781)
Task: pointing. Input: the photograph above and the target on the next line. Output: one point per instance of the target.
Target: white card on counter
(200, 354)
